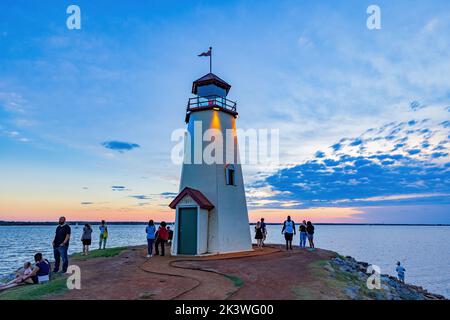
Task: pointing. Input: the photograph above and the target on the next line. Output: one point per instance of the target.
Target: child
(20, 274)
(400, 272)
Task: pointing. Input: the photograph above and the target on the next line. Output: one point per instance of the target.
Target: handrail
(211, 101)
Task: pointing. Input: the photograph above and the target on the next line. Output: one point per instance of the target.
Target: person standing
(103, 235)
(289, 231)
(303, 234)
(86, 238)
(61, 245)
(258, 234)
(150, 230)
(161, 238)
(170, 231)
(264, 231)
(400, 272)
(310, 234)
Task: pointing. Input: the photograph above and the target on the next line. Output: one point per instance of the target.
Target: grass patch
(238, 282)
(56, 286)
(335, 282)
(104, 253)
(147, 296)
(302, 293)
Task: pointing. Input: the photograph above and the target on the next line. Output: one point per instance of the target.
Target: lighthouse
(211, 209)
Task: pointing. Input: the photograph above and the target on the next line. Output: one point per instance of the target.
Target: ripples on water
(425, 251)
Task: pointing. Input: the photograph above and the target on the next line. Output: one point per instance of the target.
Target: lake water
(424, 250)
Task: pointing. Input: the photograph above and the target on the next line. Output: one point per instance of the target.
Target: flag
(205, 54)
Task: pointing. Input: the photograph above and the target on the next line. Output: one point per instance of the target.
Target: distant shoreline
(44, 223)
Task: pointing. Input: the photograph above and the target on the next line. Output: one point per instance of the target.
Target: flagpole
(210, 60)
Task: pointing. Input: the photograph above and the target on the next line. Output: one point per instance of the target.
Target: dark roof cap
(210, 78)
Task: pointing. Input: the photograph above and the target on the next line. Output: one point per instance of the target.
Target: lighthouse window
(230, 176)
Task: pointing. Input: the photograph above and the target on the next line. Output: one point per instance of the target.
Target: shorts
(288, 236)
(310, 236)
(86, 242)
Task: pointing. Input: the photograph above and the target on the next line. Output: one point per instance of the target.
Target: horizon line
(12, 223)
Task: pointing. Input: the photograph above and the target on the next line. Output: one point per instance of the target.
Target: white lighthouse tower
(211, 209)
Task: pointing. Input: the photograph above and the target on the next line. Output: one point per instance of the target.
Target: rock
(392, 288)
(329, 268)
(352, 292)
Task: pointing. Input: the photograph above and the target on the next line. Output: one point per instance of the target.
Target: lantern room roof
(196, 195)
(210, 78)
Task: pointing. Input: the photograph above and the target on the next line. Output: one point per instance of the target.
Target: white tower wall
(228, 226)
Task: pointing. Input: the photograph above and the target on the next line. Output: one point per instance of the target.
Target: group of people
(86, 237)
(40, 272)
(157, 238)
(306, 230)
(260, 233)
(156, 241)
(29, 274)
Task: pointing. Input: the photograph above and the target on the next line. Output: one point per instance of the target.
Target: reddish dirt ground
(268, 273)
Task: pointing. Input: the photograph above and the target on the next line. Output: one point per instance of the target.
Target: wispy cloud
(119, 188)
(140, 197)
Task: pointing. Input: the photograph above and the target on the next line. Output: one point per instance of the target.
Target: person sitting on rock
(400, 272)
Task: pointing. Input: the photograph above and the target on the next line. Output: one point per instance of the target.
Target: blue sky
(84, 111)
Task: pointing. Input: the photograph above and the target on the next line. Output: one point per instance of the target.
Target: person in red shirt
(161, 238)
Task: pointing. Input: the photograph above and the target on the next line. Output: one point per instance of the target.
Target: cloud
(140, 197)
(119, 188)
(120, 146)
(86, 203)
(402, 167)
(16, 135)
(168, 195)
(319, 154)
(415, 105)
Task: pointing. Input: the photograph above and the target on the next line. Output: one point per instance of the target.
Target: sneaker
(149, 256)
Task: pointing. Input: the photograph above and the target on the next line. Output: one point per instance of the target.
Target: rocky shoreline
(355, 275)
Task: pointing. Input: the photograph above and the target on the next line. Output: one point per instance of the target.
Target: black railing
(211, 102)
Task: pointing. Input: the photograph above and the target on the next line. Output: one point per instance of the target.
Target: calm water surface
(425, 251)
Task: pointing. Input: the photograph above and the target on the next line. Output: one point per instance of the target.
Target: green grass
(302, 293)
(147, 296)
(238, 282)
(105, 253)
(56, 286)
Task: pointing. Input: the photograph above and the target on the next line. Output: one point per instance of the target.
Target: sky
(86, 116)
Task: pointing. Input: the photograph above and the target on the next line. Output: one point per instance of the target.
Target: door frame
(177, 219)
